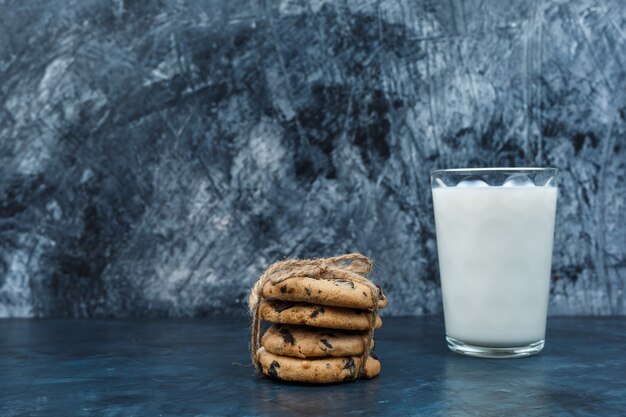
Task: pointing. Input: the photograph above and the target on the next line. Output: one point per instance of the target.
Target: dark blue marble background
(156, 155)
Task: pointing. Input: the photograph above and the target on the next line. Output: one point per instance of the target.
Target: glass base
(463, 348)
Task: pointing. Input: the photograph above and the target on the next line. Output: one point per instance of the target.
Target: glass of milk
(495, 228)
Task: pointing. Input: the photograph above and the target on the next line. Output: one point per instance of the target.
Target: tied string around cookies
(351, 267)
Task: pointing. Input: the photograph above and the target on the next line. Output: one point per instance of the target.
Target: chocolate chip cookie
(310, 342)
(315, 371)
(338, 293)
(286, 312)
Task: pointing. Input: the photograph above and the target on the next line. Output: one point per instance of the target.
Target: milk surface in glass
(495, 250)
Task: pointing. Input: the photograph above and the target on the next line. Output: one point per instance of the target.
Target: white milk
(495, 252)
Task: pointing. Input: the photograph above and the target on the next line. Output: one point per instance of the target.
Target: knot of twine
(352, 267)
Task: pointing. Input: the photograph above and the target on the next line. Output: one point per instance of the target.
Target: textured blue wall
(155, 156)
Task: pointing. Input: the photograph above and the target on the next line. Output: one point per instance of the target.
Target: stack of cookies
(321, 329)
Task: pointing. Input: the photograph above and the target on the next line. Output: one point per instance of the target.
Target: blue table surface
(201, 368)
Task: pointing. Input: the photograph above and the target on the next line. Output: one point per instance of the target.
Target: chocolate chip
(307, 290)
(282, 306)
(316, 312)
(327, 343)
(364, 293)
(272, 369)
(349, 364)
(283, 289)
(287, 337)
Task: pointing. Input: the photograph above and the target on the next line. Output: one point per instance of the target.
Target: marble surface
(156, 156)
(200, 367)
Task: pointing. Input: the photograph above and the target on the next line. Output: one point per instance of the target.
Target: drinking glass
(495, 228)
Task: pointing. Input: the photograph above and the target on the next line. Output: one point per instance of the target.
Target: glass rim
(497, 169)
